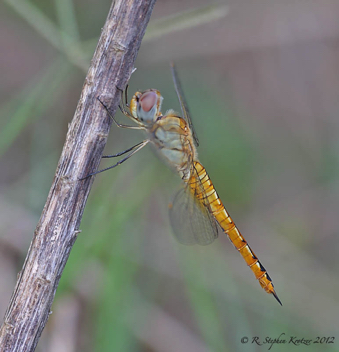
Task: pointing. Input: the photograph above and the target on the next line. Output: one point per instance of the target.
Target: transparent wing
(184, 108)
(191, 221)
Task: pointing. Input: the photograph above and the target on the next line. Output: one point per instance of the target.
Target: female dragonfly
(197, 210)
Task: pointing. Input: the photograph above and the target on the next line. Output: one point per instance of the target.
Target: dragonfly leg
(115, 121)
(124, 152)
(122, 108)
(141, 145)
(124, 104)
(126, 96)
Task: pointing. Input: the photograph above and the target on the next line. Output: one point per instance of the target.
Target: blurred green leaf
(62, 41)
(67, 19)
(31, 102)
(184, 20)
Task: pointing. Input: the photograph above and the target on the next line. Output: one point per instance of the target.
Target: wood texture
(58, 226)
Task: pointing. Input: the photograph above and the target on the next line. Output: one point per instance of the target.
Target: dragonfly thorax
(145, 106)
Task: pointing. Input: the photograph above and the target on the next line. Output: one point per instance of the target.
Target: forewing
(184, 108)
(191, 221)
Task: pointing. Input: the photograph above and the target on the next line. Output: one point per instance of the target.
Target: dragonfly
(196, 212)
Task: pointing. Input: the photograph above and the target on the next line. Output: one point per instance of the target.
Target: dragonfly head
(145, 106)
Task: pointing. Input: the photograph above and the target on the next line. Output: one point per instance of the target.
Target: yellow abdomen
(203, 189)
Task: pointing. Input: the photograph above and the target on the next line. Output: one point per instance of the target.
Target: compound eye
(148, 100)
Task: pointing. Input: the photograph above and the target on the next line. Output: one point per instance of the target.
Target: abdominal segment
(203, 189)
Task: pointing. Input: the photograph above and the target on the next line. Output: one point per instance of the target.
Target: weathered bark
(58, 226)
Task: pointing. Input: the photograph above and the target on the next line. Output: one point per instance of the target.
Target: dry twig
(57, 229)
